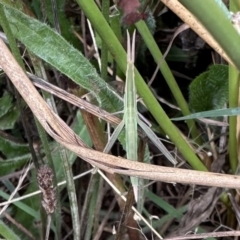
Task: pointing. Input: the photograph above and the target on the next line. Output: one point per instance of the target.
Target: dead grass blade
(127, 212)
(206, 235)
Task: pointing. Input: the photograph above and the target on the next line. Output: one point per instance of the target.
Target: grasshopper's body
(131, 119)
(130, 114)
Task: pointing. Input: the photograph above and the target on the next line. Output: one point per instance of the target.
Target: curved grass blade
(211, 113)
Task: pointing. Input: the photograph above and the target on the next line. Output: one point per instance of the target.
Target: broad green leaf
(12, 148)
(9, 119)
(209, 90)
(10, 165)
(41, 40)
(5, 103)
(16, 154)
(8, 112)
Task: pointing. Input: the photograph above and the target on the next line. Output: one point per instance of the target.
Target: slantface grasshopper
(131, 119)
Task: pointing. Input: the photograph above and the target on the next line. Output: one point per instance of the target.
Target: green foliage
(65, 25)
(12, 164)
(61, 55)
(211, 114)
(23, 214)
(209, 90)
(150, 21)
(5, 104)
(11, 148)
(7, 233)
(8, 112)
(16, 154)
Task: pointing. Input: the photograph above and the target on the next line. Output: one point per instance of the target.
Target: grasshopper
(131, 119)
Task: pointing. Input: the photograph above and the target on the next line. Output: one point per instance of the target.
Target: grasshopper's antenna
(131, 49)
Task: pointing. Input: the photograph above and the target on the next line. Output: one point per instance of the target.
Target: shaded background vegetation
(190, 61)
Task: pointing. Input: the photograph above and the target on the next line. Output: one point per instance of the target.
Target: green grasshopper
(131, 119)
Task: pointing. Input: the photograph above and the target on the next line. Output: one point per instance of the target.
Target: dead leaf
(198, 211)
(134, 17)
(128, 6)
(131, 13)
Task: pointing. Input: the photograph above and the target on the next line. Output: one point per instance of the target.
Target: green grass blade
(7, 233)
(22, 206)
(71, 194)
(211, 113)
(233, 87)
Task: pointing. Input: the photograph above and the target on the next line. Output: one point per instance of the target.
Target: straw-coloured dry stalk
(45, 183)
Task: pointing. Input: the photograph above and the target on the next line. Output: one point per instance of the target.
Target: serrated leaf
(41, 40)
(209, 90)
(8, 112)
(17, 154)
(5, 103)
(12, 149)
(10, 165)
(9, 119)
